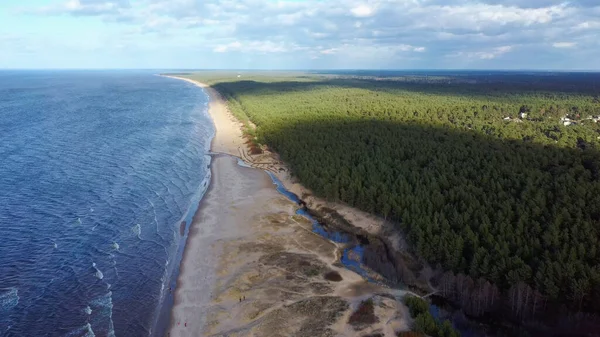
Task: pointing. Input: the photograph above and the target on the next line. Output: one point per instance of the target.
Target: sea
(100, 173)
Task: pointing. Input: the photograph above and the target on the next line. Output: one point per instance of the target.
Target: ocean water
(97, 171)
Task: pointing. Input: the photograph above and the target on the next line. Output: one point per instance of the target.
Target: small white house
(523, 115)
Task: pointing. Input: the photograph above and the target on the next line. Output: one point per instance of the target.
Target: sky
(301, 34)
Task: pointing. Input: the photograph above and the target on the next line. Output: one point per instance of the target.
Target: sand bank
(252, 267)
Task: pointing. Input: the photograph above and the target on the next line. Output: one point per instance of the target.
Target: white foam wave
(116, 246)
(137, 230)
(79, 221)
(89, 332)
(104, 301)
(9, 299)
(88, 310)
(98, 273)
(104, 305)
(84, 331)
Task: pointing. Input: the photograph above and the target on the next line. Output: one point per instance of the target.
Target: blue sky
(301, 34)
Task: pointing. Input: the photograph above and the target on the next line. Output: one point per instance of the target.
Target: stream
(352, 256)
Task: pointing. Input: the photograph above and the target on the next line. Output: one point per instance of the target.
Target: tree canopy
(497, 180)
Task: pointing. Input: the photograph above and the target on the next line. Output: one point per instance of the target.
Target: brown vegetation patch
(303, 264)
(364, 315)
(306, 318)
(254, 149)
(321, 311)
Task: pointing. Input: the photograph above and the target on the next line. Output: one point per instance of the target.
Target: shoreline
(228, 137)
(218, 114)
(241, 231)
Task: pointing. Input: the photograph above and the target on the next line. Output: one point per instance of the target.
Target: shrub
(364, 314)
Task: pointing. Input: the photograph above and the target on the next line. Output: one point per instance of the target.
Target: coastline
(251, 266)
(270, 161)
(228, 137)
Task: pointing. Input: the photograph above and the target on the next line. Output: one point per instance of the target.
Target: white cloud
(329, 51)
(478, 16)
(362, 11)
(86, 7)
(407, 47)
(564, 44)
(261, 47)
(422, 30)
(494, 53)
(588, 25)
(484, 55)
(222, 48)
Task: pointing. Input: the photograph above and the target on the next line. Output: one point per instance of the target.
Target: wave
(84, 331)
(172, 262)
(137, 230)
(104, 306)
(98, 273)
(9, 299)
(114, 174)
(154, 212)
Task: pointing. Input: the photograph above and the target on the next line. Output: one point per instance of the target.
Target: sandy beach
(252, 267)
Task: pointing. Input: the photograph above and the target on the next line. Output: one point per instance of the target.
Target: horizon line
(308, 69)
